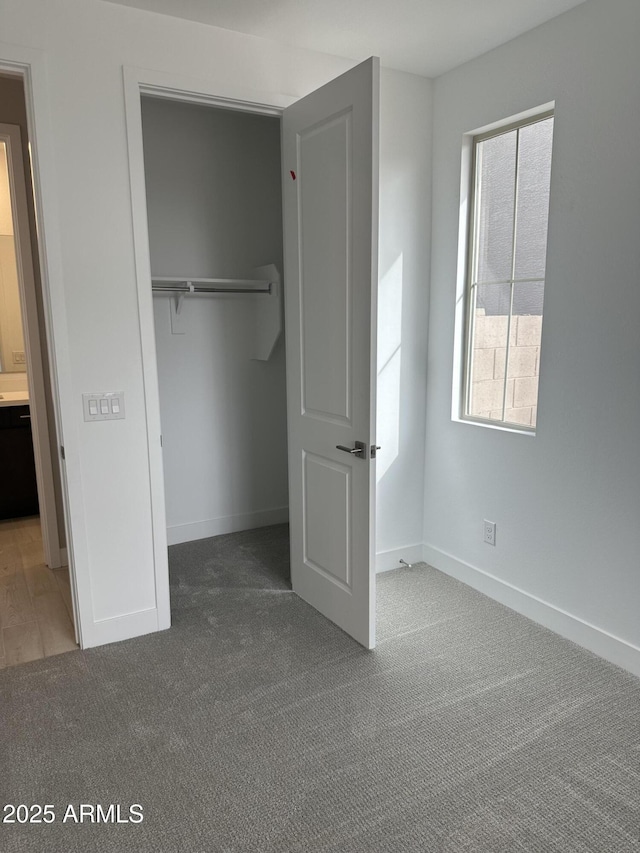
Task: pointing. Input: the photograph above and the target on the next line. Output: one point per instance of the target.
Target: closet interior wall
(214, 203)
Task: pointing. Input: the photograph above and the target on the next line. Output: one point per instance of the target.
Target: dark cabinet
(18, 488)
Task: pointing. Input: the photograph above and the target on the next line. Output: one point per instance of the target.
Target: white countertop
(14, 398)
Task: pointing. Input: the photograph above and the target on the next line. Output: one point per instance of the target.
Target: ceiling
(425, 37)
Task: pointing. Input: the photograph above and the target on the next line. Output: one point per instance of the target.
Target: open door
(22, 253)
(330, 198)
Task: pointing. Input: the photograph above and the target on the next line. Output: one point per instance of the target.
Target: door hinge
(62, 451)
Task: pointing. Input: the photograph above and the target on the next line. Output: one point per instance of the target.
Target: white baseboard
(590, 637)
(64, 557)
(387, 560)
(179, 533)
(120, 628)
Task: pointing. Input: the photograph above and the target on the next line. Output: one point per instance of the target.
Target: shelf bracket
(177, 327)
(180, 297)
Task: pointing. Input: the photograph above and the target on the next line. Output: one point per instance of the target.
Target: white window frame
(466, 261)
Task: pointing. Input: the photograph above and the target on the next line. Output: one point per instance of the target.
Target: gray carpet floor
(256, 725)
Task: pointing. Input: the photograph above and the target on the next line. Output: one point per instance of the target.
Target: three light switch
(103, 406)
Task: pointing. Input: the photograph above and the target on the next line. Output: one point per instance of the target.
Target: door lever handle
(360, 449)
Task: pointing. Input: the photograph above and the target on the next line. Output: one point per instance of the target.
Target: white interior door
(330, 197)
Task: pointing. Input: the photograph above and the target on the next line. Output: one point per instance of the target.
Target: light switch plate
(96, 402)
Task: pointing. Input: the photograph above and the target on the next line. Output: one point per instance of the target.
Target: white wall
(566, 502)
(215, 209)
(404, 257)
(11, 335)
(78, 48)
(14, 382)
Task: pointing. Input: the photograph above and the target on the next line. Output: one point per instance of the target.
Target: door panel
(327, 506)
(325, 212)
(330, 154)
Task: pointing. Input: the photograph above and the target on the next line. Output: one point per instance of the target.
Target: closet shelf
(165, 284)
(263, 315)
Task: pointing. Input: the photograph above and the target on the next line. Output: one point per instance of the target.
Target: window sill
(513, 428)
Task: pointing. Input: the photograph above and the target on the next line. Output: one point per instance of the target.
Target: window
(511, 175)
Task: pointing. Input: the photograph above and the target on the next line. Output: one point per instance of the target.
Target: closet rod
(210, 285)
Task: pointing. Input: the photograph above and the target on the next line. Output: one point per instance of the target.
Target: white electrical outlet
(489, 532)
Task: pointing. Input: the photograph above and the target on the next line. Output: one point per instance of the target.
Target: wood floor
(36, 616)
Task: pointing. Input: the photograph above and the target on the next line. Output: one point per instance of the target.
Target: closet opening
(214, 212)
